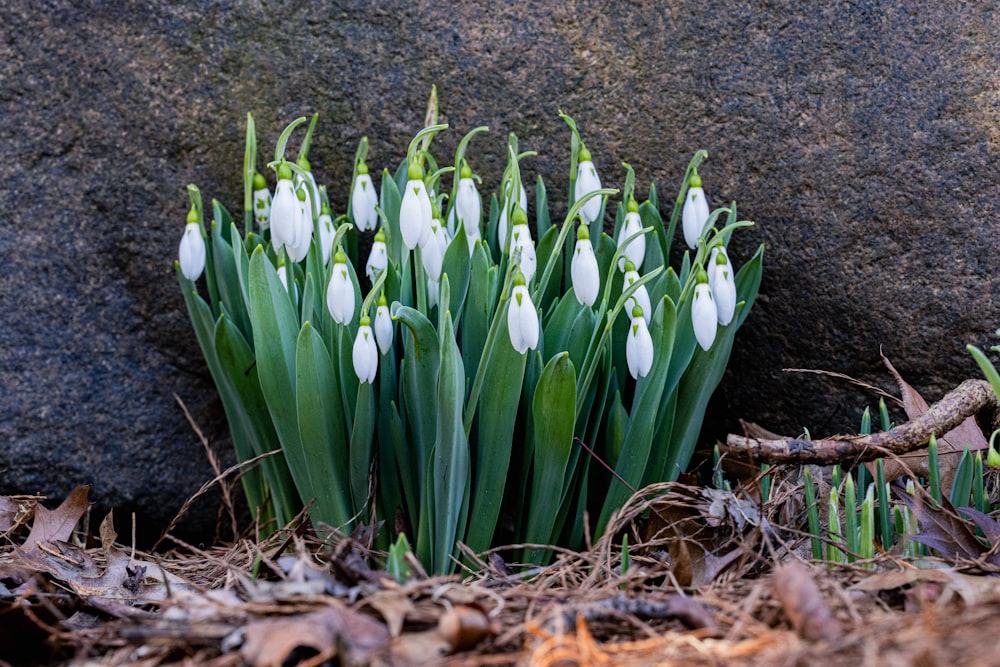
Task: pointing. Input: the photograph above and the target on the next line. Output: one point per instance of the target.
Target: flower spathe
(640, 297)
(695, 213)
(191, 251)
(261, 202)
(587, 181)
(584, 270)
(340, 293)
(415, 210)
(635, 250)
(704, 316)
(364, 200)
(723, 284)
(378, 258)
(383, 325)
(638, 346)
(365, 354)
(522, 318)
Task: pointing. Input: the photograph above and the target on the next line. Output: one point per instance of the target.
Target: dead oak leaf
(942, 529)
(57, 525)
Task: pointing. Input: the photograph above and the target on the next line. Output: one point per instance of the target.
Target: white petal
(529, 260)
(284, 213)
(636, 250)
(522, 320)
(639, 349)
(326, 234)
(704, 316)
(378, 260)
(283, 276)
(365, 355)
(725, 293)
(363, 201)
(640, 297)
(694, 216)
(191, 252)
(587, 180)
(262, 208)
(383, 329)
(585, 273)
(411, 215)
(340, 295)
(468, 207)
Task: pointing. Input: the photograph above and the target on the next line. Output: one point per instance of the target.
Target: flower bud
(635, 250)
(363, 200)
(723, 285)
(695, 213)
(340, 293)
(191, 251)
(522, 318)
(584, 271)
(587, 181)
(704, 316)
(383, 325)
(638, 346)
(364, 354)
(326, 232)
(261, 202)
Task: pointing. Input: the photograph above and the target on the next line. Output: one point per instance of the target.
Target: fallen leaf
(942, 529)
(972, 589)
(8, 513)
(464, 627)
(800, 597)
(393, 605)
(418, 648)
(57, 525)
(334, 631)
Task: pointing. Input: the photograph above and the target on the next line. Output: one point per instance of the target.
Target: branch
(959, 404)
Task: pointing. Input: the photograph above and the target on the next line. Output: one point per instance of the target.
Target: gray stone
(863, 138)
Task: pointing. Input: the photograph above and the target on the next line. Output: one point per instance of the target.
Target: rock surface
(862, 138)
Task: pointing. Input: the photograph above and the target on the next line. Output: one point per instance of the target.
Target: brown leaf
(971, 588)
(8, 513)
(464, 626)
(333, 631)
(57, 525)
(950, 446)
(942, 529)
(802, 601)
(393, 605)
(418, 649)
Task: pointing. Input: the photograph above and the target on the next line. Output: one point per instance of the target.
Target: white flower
(378, 258)
(415, 210)
(522, 319)
(261, 202)
(640, 297)
(312, 193)
(468, 207)
(587, 181)
(583, 269)
(433, 251)
(502, 225)
(298, 246)
(326, 233)
(191, 252)
(522, 239)
(433, 292)
(695, 213)
(365, 354)
(283, 276)
(285, 211)
(636, 250)
(704, 316)
(723, 284)
(638, 346)
(340, 293)
(363, 200)
(383, 325)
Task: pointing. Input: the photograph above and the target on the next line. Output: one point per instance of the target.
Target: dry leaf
(335, 631)
(972, 589)
(393, 605)
(942, 529)
(418, 649)
(57, 525)
(464, 626)
(802, 601)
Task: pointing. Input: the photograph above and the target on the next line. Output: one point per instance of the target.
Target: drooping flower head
(285, 210)
(378, 259)
(383, 325)
(364, 199)
(587, 181)
(723, 284)
(583, 269)
(340, 293)
(364, 353)
(468, 207)
(326, 232)
(636, 249)
(522, 318)
(521, 239)
(261, 202)
(298, 246)
(640, 297)
(695, 213)
(308, 182)
(191, 251)
(704, 316)
(638, 346)
(522, 202)
(415, 209)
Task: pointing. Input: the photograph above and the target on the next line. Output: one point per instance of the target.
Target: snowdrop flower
(326, 232)
(433, 251)
(640, 297)
(383, 325)
(638, 346)
(468, 207)
(636, 250)
(704, 316)
(365, 354)
(340, 293)
(583, 269)
(261, 202)
(415, 210)
(285, 211)
(363, 200)
(695, 213)
(283, 275)
(378, 258)
(312, 192)
(522, 318)
(298, 246)
(521, 238)
(587, 181)
(723, 285)
(502, 225)
(191, 252)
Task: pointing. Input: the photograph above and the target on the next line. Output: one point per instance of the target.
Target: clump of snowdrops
(470, 377)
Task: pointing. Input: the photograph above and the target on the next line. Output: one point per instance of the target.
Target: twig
(959, 404)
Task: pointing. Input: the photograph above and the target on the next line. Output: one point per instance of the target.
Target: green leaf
(554, 414)
(542, 220)
(362, 438)
(456, 265)
(322, 430)
(451, 452)
(638, 440)
(390, 200)
(421, 351)
(476, 316)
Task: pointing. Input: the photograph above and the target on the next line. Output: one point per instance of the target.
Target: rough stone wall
(862, 137)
